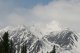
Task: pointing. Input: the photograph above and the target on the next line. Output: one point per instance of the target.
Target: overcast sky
(54, 13)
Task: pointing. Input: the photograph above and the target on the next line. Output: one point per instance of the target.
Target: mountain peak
(31, 36)
(65, 39)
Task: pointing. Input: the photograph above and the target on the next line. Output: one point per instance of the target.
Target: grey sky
(63, 12)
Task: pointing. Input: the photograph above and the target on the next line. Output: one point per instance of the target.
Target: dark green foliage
(11, 47)
(6, 45)
(5, 42)
(54, 50)
(47, 52)
(1, 47)
(24, 49)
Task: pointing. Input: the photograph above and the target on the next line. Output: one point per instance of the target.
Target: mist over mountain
(36, 41)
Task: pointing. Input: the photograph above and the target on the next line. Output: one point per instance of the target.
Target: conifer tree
(11, 47)
(5, 43)
(47, 52)
(24, 49)
(1, 47)
(42, 51)
(54, 50)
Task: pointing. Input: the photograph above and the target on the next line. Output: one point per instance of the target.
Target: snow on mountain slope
(65, 40)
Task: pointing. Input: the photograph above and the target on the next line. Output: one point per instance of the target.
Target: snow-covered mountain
(36, 42)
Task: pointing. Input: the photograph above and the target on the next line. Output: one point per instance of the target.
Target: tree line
(7, 46)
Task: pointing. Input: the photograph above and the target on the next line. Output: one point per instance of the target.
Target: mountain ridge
(65, 39)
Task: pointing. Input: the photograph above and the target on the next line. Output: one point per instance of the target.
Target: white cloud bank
(66, 12)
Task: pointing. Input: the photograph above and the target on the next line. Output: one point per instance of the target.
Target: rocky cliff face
(65, 39)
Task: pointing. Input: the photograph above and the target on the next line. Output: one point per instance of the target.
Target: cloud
(59, 10)
(43, 29)
(16, 19)
(66, 12)
(52, 26)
